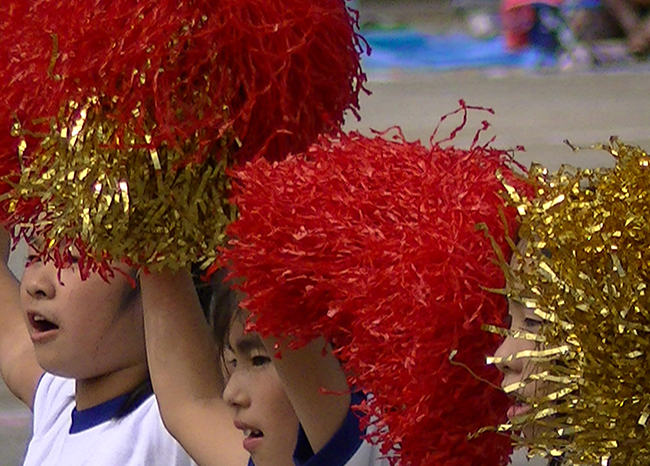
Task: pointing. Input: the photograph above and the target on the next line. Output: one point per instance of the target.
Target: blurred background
(551, 70)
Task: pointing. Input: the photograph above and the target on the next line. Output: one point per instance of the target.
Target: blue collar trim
(341, 447)
(111, 409)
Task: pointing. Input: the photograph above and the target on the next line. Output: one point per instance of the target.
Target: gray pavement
(538, 112)
(15, 427)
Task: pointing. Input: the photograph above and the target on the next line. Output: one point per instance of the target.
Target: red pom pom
(286, 70)
(205, 79)
(373, 243)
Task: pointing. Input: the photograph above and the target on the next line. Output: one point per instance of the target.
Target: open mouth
(253, 439)
(519, 408)
(40, 323)
(252, 433)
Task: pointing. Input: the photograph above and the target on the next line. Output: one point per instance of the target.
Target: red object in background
(373, 243)
(518, 18)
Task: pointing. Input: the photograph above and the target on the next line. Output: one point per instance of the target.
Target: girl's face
(84, 330)
(522, 320)
(262, 409)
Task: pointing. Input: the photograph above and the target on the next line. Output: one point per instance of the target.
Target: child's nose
(234, 393)
(507, 348)
(38, 281)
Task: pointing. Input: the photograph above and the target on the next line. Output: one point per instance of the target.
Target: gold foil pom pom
(122, 198)
(585, 264)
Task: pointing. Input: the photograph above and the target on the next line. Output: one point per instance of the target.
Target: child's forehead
(246, 343)
(240, 340)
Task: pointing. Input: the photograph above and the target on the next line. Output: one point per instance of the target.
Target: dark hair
(222, 308)
(203, 289)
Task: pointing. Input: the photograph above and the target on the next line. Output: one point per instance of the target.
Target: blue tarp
(412, 50)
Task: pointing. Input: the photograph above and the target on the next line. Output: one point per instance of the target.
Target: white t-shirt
(63, 436)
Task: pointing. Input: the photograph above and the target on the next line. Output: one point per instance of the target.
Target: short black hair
(203, 288)
(222, 308)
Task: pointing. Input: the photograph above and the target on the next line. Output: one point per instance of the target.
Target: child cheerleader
(118, 121)
(370, 249)
(582, 397)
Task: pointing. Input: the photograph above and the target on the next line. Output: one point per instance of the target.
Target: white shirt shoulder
(65, 437)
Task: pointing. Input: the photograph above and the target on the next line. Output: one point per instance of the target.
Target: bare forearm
(181, 355)
(317, 388)
(185, 372)
(5, 245)
(18, 364)
(11, 320)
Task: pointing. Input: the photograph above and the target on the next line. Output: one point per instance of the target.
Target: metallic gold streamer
(587, 264)
(514, 334)
(123, 198)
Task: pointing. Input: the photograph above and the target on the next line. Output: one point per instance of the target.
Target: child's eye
(532, 323)
(231, 363)
(260, 360)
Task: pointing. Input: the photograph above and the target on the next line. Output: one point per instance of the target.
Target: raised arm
(185, 372)
(18, 364)
(316, 386)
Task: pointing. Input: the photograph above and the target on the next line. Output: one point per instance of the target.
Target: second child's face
(82, 329)
(523, 320)
(262, 409)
